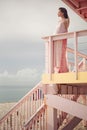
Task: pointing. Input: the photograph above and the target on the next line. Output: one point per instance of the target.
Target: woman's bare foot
(56, 69)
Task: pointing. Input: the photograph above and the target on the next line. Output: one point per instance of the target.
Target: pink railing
(82, 65)
(63, 117)
(38, 121)
(50, 57)
(24, 109)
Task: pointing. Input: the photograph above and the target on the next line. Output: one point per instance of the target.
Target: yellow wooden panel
(69, 77)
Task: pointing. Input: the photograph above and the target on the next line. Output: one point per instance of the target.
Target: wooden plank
(67, 106)
(65, 78)
(69, 4)
(74, 2)
(51, 118)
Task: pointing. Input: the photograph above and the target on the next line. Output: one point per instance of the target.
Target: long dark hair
(64, 11)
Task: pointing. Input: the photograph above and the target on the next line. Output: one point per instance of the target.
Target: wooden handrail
(34, 117)
(66, 35)
(51, 56)
(74, 108)
(19, 102)
(29, 103)
(78, 53)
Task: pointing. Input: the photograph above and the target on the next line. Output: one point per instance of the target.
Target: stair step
(72, 124)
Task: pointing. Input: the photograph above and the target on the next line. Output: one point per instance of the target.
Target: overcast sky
(22, 24)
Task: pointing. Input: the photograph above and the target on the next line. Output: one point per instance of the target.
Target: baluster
(29, 106)
(42, 123)
(27, 102)
(35, 124)
(17, 120)
(34, 103)
(20, 127)
(25, 110)
(23, 118)
(40, 96)
(13, 120)
(39, 125)
(37, 98)
(30, 128)
(1, 126)
(4, 125)
(8, 126)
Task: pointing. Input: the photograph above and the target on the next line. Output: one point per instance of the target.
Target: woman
(60, 61)
(59, 49)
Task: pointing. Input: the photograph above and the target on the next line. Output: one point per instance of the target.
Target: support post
(51, 118)
(76, 56)
(50, 57)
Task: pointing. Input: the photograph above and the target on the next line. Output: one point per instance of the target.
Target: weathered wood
(68, 106)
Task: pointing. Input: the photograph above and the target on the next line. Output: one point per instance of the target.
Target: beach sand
(5, 107)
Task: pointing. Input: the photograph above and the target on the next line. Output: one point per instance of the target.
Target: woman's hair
(64, 11)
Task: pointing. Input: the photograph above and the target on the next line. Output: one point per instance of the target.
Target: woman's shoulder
(66, 22)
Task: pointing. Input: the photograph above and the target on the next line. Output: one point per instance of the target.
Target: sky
(23, 23)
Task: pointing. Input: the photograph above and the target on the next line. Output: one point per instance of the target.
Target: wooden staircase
(24, 110)
(31, 112)
(41, 110)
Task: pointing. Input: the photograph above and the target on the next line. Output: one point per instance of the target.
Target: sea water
(13, 93)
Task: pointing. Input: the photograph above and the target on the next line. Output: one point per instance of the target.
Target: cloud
(22, 24)
(23, 77)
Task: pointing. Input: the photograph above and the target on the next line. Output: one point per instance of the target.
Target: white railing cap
(66, 35)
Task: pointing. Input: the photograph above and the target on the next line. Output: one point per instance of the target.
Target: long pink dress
(60, 60)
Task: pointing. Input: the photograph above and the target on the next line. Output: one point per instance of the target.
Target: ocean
(13, 93)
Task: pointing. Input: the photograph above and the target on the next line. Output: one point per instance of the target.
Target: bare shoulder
(66, 22)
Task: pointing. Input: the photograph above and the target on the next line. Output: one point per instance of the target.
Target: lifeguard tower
(40, 109)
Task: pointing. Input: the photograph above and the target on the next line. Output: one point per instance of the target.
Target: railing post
(76, 55)
(50, 57)
(84, 64)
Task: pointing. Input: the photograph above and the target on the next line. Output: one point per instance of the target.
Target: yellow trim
(69, 77)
